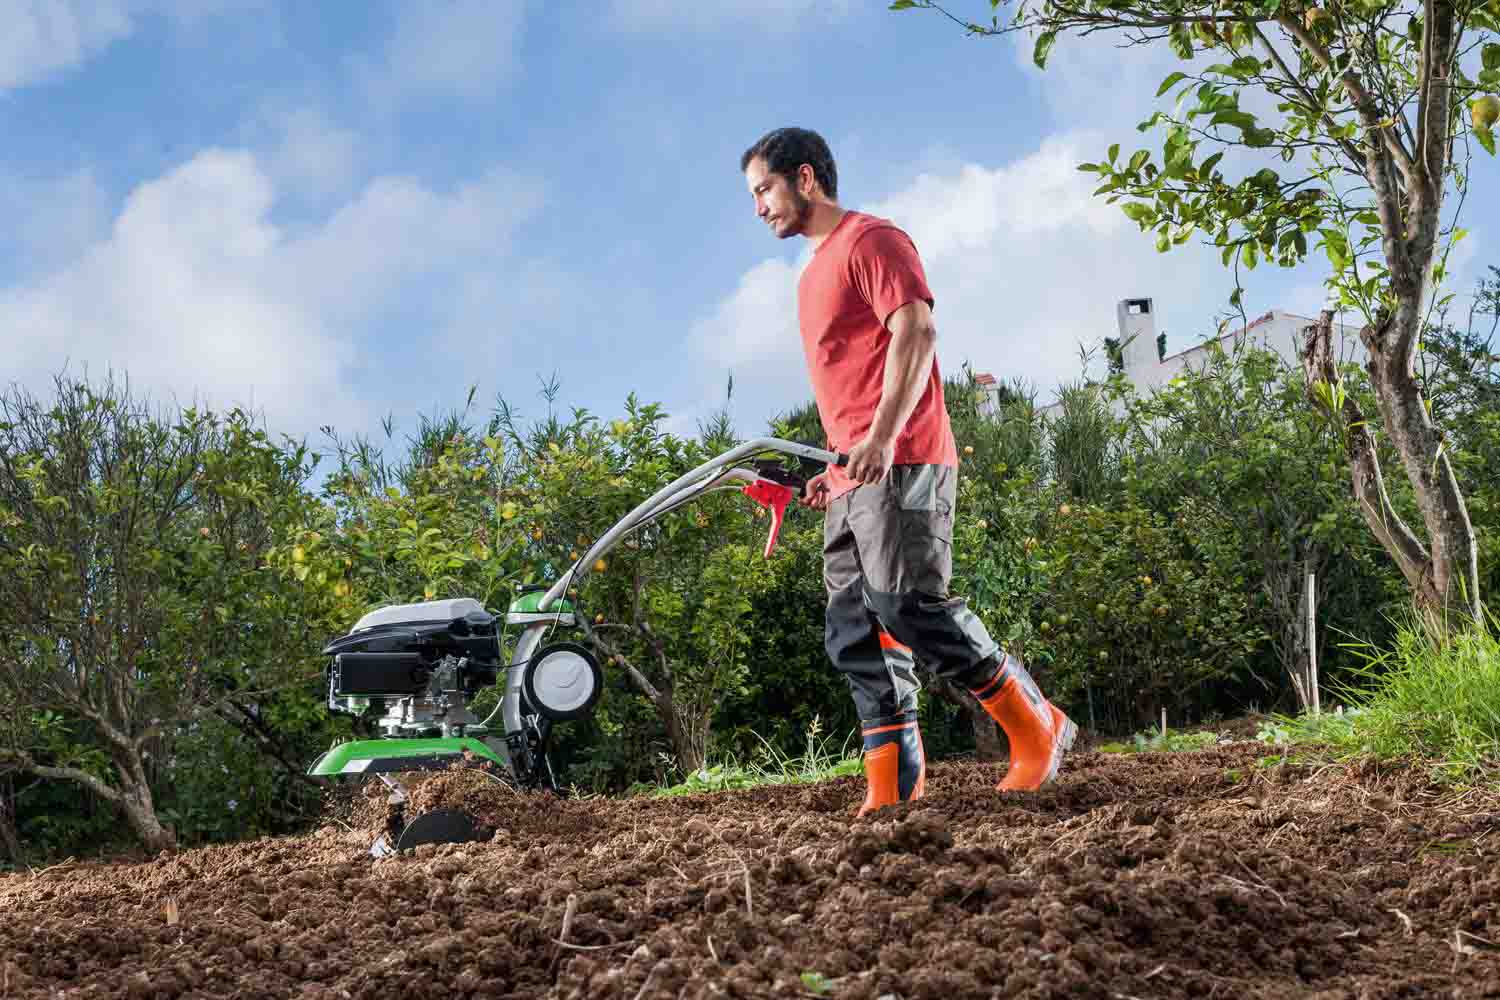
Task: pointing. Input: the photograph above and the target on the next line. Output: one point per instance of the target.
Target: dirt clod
(1145, 875)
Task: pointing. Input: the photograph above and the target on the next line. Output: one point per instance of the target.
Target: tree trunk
(138, 804)
(989, 743)
(141, 815)
(691, 753)
(132, 794)
(1297, 664)
(9, 839)
(1443, 575)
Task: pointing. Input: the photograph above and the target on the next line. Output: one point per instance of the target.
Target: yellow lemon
(1486, 111)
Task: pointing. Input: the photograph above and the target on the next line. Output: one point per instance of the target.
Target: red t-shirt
(865, 270)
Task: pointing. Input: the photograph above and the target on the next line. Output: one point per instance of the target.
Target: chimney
(1138, 335)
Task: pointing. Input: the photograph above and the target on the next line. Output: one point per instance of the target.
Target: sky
(335, 213)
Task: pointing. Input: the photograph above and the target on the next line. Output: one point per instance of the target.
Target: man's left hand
(871, 460)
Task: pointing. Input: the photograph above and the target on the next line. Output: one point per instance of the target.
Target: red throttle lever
(774, 497)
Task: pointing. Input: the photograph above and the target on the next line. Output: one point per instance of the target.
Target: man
(866, 317)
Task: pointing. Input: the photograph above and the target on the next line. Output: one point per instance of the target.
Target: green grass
(1438, 701)
(1157, 740)
(768, 767)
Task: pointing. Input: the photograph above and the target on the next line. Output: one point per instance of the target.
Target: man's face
(777, 203)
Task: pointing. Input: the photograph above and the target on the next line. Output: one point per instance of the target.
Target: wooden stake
(1312, 645)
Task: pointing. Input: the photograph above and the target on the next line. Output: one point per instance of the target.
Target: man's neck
(826, 215)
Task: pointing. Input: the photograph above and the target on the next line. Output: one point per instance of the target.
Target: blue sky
(336, 211)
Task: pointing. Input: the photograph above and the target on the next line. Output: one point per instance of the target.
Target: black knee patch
(943, 633)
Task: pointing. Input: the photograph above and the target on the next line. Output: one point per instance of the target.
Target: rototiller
(421, 664)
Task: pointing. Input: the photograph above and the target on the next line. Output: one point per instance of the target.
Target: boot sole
(1064, 743)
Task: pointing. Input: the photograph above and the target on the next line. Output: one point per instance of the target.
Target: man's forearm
(908, 365)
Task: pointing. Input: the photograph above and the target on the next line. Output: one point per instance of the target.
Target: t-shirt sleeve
(885, 268)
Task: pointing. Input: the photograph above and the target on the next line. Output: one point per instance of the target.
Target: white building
(1147, 364)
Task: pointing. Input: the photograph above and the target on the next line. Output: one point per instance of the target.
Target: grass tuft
(770, 767)
(1430, 697)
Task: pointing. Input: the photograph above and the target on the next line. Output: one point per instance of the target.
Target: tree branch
(1364, 463)
(1348, 147)
(640, 680)
(256, 726)
(26, 763)
(1364, 103)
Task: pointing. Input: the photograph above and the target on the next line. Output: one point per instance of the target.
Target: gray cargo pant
(887, 561)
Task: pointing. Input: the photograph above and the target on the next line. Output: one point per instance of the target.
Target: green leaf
(1242, 120)
(1491, 56)
(1486, 139)
(1181, 40)
(1172, 80)
(1137, 211)
(1114, 151)
(1043, 48)
(903, 4)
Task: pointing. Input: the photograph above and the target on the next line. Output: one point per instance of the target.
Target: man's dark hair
(786, 149)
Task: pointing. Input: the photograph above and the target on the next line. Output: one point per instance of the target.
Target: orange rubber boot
(895, 766)
(1038, 731)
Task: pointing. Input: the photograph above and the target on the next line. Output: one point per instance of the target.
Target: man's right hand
(815, 493)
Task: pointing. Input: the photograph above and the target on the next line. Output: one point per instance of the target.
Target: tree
(668, 605)
(133, 590)
(1372, 102)
(1083, 442)
(1237, 437)
(436, 522)
(1138, 613)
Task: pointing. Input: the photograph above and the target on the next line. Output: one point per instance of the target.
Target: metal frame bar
(708, 476)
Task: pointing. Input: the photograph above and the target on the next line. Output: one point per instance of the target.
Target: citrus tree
(434, 522)
(1237, 437)
(134, 591)
(1344, 127)
(1139, 614)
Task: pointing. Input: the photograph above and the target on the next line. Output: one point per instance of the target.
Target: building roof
(1259, 321)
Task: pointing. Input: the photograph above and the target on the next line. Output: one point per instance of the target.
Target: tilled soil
(1136, 876)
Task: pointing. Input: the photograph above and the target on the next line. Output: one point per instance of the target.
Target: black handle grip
(842, 459)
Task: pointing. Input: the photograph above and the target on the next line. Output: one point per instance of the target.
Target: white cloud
(50, 221)
(1024, 262)
(771, 16)
(309, 152)
(449, 48)
(196, 292)
(757, 324)
(41, 38)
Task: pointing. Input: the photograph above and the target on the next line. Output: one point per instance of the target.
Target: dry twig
(1405, 920)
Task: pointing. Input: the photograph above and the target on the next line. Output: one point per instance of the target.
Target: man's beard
(799, 221)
